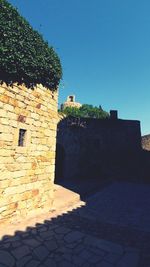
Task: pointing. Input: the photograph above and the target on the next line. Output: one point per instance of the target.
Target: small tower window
(22, 136)
(71, 98)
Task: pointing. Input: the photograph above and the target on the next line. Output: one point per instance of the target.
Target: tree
(24, 56)
(86, 111)
(72, 111)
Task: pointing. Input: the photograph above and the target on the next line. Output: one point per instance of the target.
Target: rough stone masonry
(28, 120)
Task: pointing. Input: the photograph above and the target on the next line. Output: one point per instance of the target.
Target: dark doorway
(59, 169)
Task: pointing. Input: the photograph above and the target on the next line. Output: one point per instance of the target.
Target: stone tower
(70, 102)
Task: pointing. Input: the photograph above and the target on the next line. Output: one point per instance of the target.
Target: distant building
(70, 103)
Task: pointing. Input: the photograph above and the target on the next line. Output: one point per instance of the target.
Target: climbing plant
(24, 56)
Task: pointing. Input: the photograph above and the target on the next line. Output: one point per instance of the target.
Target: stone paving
(111, 230)
(124, 204)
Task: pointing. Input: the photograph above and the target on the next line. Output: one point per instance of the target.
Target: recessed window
(22, 136)
(71, 98)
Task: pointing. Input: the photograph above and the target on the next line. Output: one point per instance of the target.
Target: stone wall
(70, 104)
(27, 162)
(146, 142)
(91, 148)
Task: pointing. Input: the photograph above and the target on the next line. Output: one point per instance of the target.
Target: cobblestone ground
(111, 230)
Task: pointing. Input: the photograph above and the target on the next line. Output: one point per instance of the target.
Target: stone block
(8, 107)
(7, 259)
(4, 121)
(35, 192)
(20, 252)
(13, 102)
(35, 116)
(3, 113)
(5, 183)
(5, 175)
(37, 123)
(17, 174)
(15, 190)
(7, 152)
(4, 99)
(3, 209)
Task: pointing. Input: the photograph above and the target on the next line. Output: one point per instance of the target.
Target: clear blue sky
(104, 46)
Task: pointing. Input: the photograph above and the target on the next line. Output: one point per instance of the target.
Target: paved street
(112, 229)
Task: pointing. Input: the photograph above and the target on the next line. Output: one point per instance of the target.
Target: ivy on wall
(24, 56)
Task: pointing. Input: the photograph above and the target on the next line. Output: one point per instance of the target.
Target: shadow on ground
(130, 168)
(84, 187)
(112, 229)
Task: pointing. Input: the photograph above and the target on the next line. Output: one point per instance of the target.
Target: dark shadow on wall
(78, 165)
(98, 152)
(143, 166)
(60, 159)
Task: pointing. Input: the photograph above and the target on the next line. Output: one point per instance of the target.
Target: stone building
(93, 148)
(28, 120)
(70, 102)
(146, 142)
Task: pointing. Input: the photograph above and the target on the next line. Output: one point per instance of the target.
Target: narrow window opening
(71, 98)
(22, 135)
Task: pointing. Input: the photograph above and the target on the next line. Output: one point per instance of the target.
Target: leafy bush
(24, 56)
(86, 111)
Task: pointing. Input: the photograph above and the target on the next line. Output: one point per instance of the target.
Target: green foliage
(86, 111)
(72, 111)
(24, 56)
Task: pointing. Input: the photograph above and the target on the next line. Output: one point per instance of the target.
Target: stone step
(64, 197)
